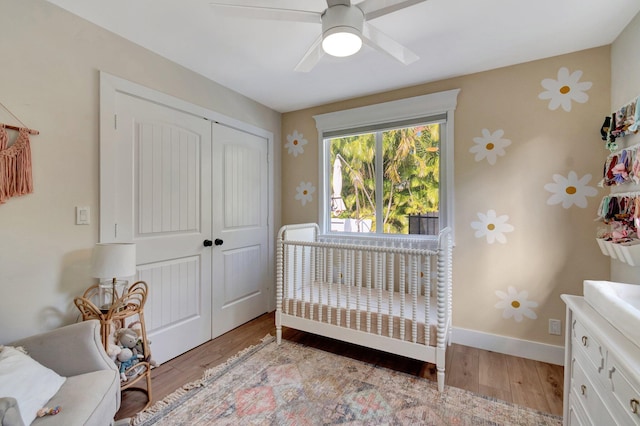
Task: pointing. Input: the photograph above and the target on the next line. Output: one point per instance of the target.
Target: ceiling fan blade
(375, 8)
(269, 13)
(382, 42)
(312, 57)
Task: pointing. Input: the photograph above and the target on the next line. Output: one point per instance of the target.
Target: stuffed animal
(127, 360)
(137, 327)
(127, 338)
(131, 337)
(112, 348)
(139, 347)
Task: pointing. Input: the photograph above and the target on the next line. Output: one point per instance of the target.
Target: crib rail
(397, 288)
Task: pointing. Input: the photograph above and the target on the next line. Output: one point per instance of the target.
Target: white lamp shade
(113, 260)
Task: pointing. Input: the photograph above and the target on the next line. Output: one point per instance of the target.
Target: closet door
(171, 180)
(240, 224)
(163, 200)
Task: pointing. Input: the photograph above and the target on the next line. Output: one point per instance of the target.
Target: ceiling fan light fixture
(341, 42)
(342, 30)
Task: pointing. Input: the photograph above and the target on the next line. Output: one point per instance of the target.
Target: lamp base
(109, 292)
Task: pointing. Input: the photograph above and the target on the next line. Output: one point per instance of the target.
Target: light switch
(83, 215)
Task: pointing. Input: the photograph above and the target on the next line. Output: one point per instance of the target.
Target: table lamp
(111, 261)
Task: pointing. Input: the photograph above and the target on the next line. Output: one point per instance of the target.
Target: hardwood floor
(521, 381)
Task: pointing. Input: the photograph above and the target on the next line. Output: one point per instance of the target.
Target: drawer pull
(634, 405)
(583, 389)
(584, 340)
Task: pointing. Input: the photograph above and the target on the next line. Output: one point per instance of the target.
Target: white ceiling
(451, 37)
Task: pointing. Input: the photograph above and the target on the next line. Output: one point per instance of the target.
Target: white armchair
(91, 393)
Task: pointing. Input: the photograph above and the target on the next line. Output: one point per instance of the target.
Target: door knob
(207, 243)
(219, 242)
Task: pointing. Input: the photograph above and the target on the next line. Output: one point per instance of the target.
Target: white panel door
(240, 226)
(164, 206)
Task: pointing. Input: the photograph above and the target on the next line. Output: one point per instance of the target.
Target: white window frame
(389, 112)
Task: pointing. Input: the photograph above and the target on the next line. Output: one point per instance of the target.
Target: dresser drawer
(583, 340)
(577, 415)
(625, 393)
(584, 391)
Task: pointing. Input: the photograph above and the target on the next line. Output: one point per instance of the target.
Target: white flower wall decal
(304, 192)
(295, 143)
(515, 305)
(492, 227)
(565, 89)
(490, 146)
(570, 190)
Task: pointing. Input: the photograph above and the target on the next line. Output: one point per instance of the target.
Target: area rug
(293, 384)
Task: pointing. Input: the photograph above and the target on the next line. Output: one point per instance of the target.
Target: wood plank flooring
(521, 381)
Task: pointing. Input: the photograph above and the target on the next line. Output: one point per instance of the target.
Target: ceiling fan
(345, 27)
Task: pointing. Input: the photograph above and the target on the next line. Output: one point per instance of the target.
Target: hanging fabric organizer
(15, 161)
(621, 211)
(620, 123)
(622, 167)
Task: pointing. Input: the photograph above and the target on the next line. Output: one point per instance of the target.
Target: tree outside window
(403, 164)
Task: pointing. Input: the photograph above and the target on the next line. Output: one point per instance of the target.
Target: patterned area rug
(293, 384)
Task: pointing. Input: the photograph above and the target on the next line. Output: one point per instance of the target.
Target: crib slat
(329, 287)
(349, 284)
(402, 292)
(449, 283)
(390, 282)
(426, 279)
(414, 298)
(322, 281)
(379, 287)
(358, 287)
(303, 280)
(339, 281)
(369, 293)
(297, 279)
(314, 279)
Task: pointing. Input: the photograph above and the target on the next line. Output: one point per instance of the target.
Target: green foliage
(411, 169)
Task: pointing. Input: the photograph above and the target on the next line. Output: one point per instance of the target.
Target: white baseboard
(509, 345)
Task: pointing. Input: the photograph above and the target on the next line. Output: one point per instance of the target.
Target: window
(388, 168)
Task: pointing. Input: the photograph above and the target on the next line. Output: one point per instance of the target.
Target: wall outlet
(555, 327)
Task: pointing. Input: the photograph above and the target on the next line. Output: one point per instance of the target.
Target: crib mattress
(340, 305)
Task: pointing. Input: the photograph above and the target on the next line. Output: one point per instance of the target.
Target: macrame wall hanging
(15, 161)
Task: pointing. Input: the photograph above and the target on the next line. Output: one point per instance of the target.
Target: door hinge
(115, 121)
(115, 230)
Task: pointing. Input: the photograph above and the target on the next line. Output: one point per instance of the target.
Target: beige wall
(49, 79)
(551, 249)
(625, 86)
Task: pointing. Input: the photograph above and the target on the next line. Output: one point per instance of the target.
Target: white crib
(389, 294)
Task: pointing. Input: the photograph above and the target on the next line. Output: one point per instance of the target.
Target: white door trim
(109, 86)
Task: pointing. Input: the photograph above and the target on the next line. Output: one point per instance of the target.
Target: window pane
(411, 167)
(409, 171)
(411, 154)
(352, 183)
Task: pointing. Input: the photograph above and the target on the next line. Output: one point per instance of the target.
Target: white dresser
(601, 370)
